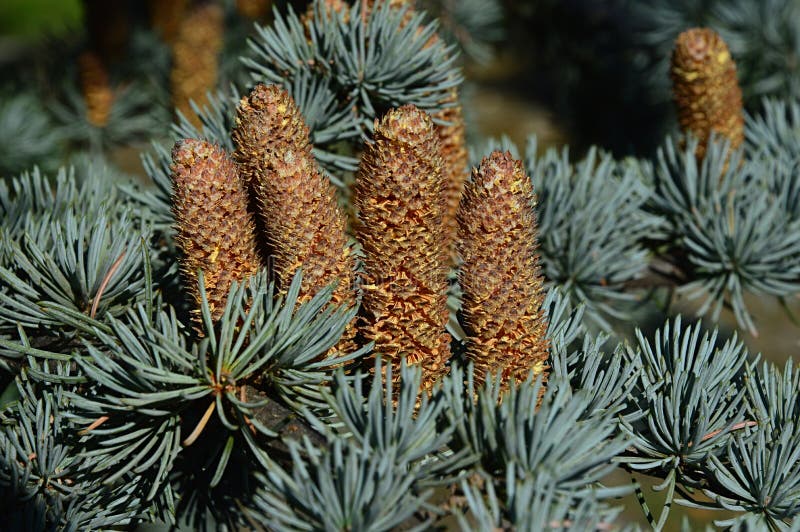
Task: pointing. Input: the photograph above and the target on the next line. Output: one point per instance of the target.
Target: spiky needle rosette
(195, 58)
(500, 275)
(706, 92)
(296, 204)
(96, 88)
(215, 231)
(398, 193)
(329, 7)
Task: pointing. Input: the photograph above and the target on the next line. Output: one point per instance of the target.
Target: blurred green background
(31, 18)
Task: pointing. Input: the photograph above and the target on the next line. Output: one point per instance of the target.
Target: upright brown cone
(195, 57)
(215, 232)
(398, 194)
(500, 277)
(455, 159)
(296, 203)
(166, 17)
(96, 89)
(450, 130)
(707, 95)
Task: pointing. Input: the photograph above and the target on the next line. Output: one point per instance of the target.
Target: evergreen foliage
(473, 25)
(26, 135)
(351, 71)
(762, 35)
(125, 402)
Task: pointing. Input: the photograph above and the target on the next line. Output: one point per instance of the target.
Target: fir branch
(68, 264)
(760, 475)
(773, 133)
(591, 226)
(130, 118)
(339, 487)
(27, 135)
(406, 422)
(730, 230)
(693, 395)
(371, 66)
(47, 479)
(554, 442)
(150, 381)
(525, 503)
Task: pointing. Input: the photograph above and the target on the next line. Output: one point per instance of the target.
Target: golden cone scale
(500, 276)
(195, 58)
(707, 95)
(455, 159)
(398, 191)
(96, 89)
(296, 205)
(215, 232)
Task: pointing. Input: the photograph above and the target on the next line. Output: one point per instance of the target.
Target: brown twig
(106, 280)
(96, 423)
(737, 426)
(200, 425)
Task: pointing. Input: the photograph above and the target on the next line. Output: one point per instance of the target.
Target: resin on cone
(707, 95)
(398, 191)
(500, 277)
(195, 58)
(215, 231)
(96, 89)
(296, 205)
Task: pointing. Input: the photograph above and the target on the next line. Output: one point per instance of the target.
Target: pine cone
(707, 95)
(215, 232)
(500, 277)
(398, 194)
(296, 204)
(195, 58)
(166, 16)
(455, 159)
(96, 89)
(451, 133)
